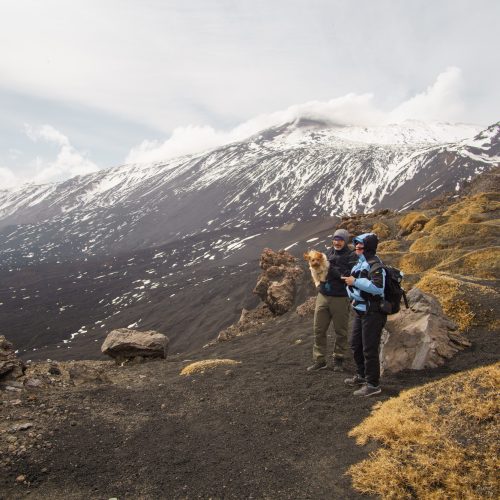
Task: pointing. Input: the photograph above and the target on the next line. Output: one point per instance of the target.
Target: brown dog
(318, 265)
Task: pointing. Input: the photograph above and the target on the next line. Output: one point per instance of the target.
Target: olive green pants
(327, 310)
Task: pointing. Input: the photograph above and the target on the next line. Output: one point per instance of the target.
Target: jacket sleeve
(375, 286)
(333, 273)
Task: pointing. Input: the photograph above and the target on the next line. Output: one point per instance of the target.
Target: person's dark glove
(320, 287)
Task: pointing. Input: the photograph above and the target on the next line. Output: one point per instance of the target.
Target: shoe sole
(318, 369)
(367, 395)
(354, 384)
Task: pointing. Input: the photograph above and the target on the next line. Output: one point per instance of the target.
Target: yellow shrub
(207, 364)
(438, 441)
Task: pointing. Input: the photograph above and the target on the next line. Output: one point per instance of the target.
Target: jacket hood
(370, 241)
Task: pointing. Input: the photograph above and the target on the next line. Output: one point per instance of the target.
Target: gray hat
(342, 233)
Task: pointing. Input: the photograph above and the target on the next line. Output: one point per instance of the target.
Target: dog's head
(316, 259)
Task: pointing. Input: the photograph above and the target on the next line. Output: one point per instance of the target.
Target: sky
(91, 84)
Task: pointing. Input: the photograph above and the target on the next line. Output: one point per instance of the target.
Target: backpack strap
(375, 264)
(405, 299)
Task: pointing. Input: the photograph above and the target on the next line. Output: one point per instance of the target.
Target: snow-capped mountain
(287, 173)
(163, 245)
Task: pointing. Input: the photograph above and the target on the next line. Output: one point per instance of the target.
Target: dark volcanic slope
(65, 310)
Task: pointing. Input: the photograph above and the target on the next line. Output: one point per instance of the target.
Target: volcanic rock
(307, 308)
(419, 337)
(86, 373)
(250, 320)
(10, 365)
(276, 285)
(124, 344)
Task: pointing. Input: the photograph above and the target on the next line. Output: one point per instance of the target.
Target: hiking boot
(318, 365)
(356, 380)
(338, 364)
(368, 390)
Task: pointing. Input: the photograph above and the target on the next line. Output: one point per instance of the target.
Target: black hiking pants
(365, 343)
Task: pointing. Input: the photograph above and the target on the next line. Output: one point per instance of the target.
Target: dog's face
(315, 259)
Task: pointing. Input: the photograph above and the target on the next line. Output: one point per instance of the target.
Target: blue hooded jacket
(365, 286)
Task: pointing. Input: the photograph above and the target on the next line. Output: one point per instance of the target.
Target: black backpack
(393, 292)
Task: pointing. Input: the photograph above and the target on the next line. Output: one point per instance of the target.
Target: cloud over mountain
(441, 101)
(68, 162)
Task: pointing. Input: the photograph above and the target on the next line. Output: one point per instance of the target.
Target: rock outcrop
(306, 309)
(125, 345)
(276, 286)
(11, 367)
(419, 337)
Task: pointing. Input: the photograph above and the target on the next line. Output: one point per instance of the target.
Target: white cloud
(7, 178)
(350, 109)
(46, 133)
(68, 162)
(442, 101)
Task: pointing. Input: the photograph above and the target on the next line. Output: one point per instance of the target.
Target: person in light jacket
(366, 290)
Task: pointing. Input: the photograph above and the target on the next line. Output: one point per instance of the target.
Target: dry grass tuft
(459, 235)
(207, 365)
(414, 221)
(389, 246)
(482, 263)
(482, 203)
(438, 441)
(391, 258)
(381, 230)
(467, 301)
(419, 262)
(451, 295)
(438, 220)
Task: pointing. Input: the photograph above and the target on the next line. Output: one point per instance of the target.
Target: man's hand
(349, 280)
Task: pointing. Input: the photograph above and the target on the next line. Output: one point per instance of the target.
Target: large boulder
(419, 337)
(126, 345)
(276, 286)
(11, 366)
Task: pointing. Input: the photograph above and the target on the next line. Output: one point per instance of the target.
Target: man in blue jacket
(366, 290)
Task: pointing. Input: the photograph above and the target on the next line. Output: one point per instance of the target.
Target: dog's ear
(306, 255)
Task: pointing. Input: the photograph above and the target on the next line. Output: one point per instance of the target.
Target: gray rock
(419, 337)
(33, 383)
(21, 427)
(126, 345)
(11, 367)
(81, 373)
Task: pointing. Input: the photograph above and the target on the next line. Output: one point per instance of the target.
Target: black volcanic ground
(44, 304)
